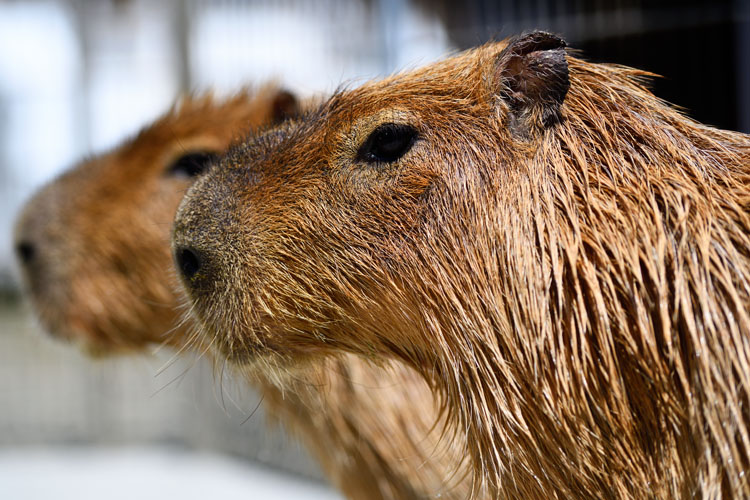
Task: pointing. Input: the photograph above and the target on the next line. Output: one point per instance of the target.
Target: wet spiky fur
(102, 277)
(577, 294)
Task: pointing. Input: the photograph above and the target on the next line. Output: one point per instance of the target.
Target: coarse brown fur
(99, 273)
(564, 257)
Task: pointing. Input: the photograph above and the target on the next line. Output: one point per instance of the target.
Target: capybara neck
(562, 255)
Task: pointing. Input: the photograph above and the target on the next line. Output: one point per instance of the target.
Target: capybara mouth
(53, 321)
(241, 352)
(76, 333)
(72, 328)
(244, 356)
(246, 347)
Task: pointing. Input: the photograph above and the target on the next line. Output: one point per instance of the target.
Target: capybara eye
(387, 143)
(192, 164)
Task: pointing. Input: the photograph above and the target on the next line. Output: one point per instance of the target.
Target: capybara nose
(188, 261)
(26, 252)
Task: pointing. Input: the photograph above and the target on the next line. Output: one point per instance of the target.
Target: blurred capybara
(563, 256)
(94, 249)
(91, 244)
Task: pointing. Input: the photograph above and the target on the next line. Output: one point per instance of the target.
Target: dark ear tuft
(285, 105)
(531, 76)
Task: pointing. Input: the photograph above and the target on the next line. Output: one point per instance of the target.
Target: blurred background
(77, 77)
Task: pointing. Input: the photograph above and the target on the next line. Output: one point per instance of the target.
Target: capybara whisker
(177, 379)
(252, 413)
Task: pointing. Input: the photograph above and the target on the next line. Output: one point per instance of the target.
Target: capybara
(94, 246)
(562, 255)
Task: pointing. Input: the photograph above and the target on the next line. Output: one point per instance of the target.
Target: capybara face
(562, 255)
(93, 244)
(297, 228)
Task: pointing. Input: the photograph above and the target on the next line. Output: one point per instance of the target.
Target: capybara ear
(285, 105)
(531, 76)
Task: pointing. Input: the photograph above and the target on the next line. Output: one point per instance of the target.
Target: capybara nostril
(26, 252)
(188, 262)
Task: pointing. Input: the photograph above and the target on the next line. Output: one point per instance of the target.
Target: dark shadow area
(698, 47)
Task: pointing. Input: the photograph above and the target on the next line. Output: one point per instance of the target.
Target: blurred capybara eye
(387, 143)
(191, 164)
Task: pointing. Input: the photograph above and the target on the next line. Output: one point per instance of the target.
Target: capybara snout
(200, 256)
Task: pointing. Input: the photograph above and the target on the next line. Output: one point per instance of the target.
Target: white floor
(81, 473)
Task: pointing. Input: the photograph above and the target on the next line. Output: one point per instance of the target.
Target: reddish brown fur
(574, 280)
(101, 276)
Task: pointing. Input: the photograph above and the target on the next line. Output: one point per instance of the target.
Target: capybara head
(93, 245)
(297, 227)
(564, 256)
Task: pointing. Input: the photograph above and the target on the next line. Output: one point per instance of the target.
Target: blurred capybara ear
(285, 105)
(531, 76)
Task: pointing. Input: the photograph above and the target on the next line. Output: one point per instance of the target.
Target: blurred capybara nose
(26, 252)
(188, 261)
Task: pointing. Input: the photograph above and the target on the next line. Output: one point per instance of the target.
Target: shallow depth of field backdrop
(77, 77)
